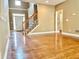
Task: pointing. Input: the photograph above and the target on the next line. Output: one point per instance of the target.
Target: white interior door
(17, 21)
(59, 20)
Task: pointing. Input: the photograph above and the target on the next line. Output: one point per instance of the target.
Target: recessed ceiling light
(47, 1)
(17, 3)
(67, 20)
(74, 14)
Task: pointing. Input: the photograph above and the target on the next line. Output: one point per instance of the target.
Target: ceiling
(48, 2)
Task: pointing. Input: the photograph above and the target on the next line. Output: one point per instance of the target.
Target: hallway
(48, 46)
(41, 20)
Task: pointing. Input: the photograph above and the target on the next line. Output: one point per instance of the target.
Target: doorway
(18, 19)
(59, 20)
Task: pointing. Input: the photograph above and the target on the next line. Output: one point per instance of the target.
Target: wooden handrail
(23, 24)
(34, 14)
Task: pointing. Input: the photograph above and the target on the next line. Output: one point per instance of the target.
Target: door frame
(15, 14)
(61, 20)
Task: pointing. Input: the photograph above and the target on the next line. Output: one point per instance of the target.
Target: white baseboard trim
(6, 48)
(70, 34)
(40, 33)
(64, 33)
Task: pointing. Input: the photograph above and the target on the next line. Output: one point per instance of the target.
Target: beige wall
(0, 7)
(45, 18)
(0, 34)
(4, 29)
(70, 7)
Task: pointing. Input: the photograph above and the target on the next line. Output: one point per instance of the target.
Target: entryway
(18, 19)
(59, 20)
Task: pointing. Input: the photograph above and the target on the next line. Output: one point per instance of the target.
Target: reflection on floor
(49, 46)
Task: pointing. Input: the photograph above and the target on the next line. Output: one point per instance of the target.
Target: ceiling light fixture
(17, 3)
(74, 14)
(67, 20)
(47, 1)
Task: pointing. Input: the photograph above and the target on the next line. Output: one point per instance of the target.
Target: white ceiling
(50, 2)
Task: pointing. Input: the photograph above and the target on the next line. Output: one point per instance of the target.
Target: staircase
(32, 23)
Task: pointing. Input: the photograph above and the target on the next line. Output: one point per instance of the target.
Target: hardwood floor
(49, 46)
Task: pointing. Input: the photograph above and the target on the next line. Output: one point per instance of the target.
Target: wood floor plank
(49, 46)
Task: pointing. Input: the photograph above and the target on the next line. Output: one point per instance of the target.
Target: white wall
(4, 28)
